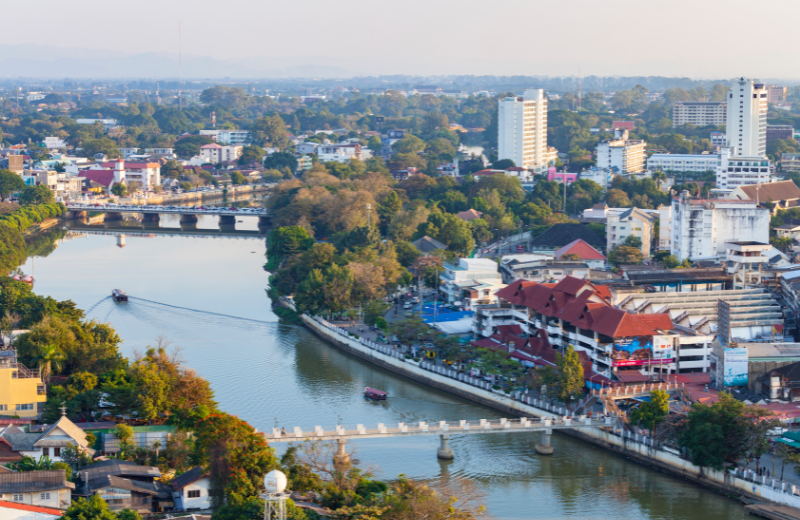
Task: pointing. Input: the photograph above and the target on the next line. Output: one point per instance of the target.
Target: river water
(268, 374)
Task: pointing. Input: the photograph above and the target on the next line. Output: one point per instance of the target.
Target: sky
(693, 38)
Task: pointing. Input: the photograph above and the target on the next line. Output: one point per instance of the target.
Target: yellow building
(21, 389)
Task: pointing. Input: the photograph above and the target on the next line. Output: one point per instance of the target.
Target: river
(265, 372)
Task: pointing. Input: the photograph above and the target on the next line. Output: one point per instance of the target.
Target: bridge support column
(151, 217)
(75, 214)
(188, 219)
(445, 452)
(112, 215)
(263, 222)
(545, 448)
(341, 461)
(227, 220)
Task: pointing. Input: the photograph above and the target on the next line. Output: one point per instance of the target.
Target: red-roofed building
(584, 253)
(16, 511)
(148, 174)
(578, 313)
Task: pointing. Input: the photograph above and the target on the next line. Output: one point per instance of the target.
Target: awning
(455, 327)
(792, 436)
(791, 443)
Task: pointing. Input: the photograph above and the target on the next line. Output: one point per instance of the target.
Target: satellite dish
(275, 482)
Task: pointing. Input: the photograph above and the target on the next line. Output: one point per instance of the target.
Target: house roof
(775, 191)
(101, 177)
(210, 146)
(33, 481)
(120, 468)
(582, 249)
(470, 214)
(427, 244)
(560, 235)
(30, 508)
(638, 214)
(193, 475)
(148, 488)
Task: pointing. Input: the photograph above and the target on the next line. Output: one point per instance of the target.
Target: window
(3, 407)
(56, 452)
(193, 493)
(18, 498)
(25, 406)
(44, 496)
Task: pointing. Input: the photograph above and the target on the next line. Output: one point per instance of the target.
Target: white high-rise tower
(746, 123)
(522, 130)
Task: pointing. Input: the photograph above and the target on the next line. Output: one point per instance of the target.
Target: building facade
(22, 391)
(621, 154)
(679, 162)
(747, 118)
(699, 113)
(700, 227)
(775, 132)
(229, 137)
(632, 222)
(776, 94)
(214, 153)
(522, 130)
(741, 170)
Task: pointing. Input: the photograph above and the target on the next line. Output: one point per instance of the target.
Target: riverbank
(614, 438)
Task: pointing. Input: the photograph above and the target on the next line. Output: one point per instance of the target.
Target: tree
(39, 194)
(503, 164)
(49, 358)
(104, 145)
(409, 145)
(92, 508)
(238, 457)
(281, 160)
(633, 241)
(570, 383)
(124, 433)
(119, 189)
(287, 241)
(651, 414)
(782, 243)
(625, 255)
(252, 154)
(410, 330)
(375, 144)
(617, 199)
(10, 182)
(269, 131)
(374, 310)
(237, 178)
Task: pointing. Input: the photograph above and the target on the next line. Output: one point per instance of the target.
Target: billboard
(735, 362)
(643, 350)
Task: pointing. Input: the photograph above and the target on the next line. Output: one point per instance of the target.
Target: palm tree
(50, 360)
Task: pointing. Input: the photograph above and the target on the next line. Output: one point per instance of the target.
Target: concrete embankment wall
(623, 443)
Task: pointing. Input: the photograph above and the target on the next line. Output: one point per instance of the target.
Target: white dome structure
(275, 482)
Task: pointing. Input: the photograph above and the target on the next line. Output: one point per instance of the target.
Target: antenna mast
(180, 69)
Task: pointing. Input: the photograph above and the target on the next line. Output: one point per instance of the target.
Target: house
(584, 253)
(124, 484)
(190, 490)
(471, 281)
(214, 153)
(427, 244)
(148, 174)
(632, 222)
(788, 229)
(782, 194)
(48, 488)
(15, 442)
(22, 391)
(469, 215)
(17, 511)
(339, 152)
(559, 235)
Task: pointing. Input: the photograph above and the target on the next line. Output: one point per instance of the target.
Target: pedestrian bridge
(151, 213)
(444, 429)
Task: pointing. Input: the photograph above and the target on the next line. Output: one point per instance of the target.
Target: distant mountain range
(45, 61)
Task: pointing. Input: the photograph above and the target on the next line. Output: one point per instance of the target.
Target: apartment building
(699, 113)
(22, 391)
(228, 137)
(700, 227)
(740, 170)
(146, 173)
(790, 162)
(339, 152)
(621, 154)
(718, 139)
(632, 222)
(746, 123)
(471, 281)
(214, 153)
(776, 94)
(679, 162)
(522, 130)
(775, 132)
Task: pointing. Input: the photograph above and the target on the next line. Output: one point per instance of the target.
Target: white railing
(135, 208)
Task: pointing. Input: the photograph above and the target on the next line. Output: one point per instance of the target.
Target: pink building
(561, 177)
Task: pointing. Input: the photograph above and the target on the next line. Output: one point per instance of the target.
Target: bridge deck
(440, 428)
(179, 210)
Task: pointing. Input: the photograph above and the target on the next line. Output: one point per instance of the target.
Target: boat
(119, 296)
(378, 395)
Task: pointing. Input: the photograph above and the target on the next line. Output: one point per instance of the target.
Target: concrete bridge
(151, 213)
(444, 429)
(148, 229)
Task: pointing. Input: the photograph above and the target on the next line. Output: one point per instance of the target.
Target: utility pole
(369, 207)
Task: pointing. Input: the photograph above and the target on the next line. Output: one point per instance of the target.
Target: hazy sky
(697, 38)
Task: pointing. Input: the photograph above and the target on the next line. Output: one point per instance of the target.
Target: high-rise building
(747, 118)
(522, 130)
(776, 94)
(621, 154)
(698, 113)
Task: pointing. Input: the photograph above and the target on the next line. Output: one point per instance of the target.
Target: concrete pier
(227, 220)
(151, 217)
(445, 452)
(188, 219)
(341, 460)
(545, 448)
(112, 215)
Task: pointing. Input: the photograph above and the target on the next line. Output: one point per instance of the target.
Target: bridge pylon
(445, 452)
(341, 460)
(544, 448)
